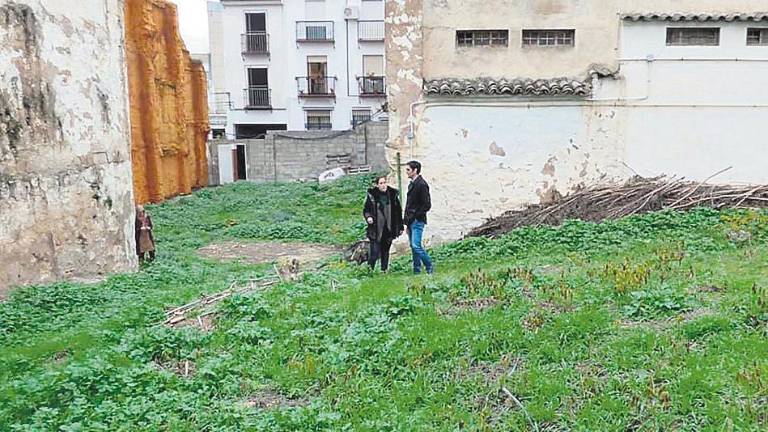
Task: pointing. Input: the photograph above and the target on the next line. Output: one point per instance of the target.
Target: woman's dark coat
(137, 232)
(370, 210)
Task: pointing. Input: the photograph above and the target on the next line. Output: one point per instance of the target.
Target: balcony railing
(258, 97)
(321, 86)
(372, 86)
(370, 31)
(319, 125)
(255, 43)
(314, 31)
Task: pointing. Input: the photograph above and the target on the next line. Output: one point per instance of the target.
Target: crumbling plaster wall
(66, 207)
(169, 104)
(484, 156)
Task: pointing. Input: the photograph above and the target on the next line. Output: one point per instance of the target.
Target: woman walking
(384, 215)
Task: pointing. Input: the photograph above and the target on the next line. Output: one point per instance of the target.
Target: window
(757, 36)
(373, 65)
(255, 22)
(257, 93)
(468, 38)
(361, 115)
(255, 38)
(549, 38)
(317, 72)
(316, 32)
(693, 36)
(318, 120)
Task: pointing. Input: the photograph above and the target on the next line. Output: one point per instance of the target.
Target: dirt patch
(203, 323)
(495, 404)
(709, 289)
(637, 195)
(270, 399)
(463, 305)
(61, 356)
(182, 368)
(664, 324)
(308, 254)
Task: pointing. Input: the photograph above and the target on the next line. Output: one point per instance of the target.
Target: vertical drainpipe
(346, 44)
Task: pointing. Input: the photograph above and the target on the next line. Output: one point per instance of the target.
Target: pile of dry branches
(206, 304)
(637, 195)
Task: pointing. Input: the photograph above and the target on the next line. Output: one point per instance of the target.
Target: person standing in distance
(417, 205)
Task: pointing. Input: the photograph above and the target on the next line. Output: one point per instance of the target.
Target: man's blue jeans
(415, 232)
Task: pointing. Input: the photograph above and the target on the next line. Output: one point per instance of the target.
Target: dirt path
(268, 252)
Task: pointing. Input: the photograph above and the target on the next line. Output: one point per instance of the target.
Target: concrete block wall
(289, 156)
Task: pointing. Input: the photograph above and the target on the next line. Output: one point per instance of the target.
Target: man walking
(416, 207)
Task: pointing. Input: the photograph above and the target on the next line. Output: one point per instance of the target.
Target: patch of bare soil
(270, 399)
(308, 254)
(663, 324)
(182, 368)
(462, 305)
(203, 323)
(61, 356)
(496, 403)
(479, 304)
(709, 289)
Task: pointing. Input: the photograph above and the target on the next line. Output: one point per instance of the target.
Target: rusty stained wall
(169, 106)
(66, 208)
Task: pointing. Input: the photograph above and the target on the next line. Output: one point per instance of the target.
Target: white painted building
(682, 94)
(295, 64)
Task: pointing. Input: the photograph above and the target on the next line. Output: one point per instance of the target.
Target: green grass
(650, 323)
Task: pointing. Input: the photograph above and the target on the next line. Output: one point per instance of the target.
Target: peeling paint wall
(66, 207)
(169, 104)
(404, 69)
(484, 156)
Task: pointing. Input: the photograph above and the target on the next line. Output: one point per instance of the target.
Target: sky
(193, 24)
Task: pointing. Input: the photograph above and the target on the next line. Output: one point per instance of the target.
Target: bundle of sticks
(637, 195)
(206, 304)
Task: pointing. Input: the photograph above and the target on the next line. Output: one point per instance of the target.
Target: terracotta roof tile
(516, 87)
(651, 16)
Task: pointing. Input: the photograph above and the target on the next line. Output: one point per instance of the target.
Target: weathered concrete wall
(485, 155)
(288, 156)
(404, 69)
(169, 104)
(66, 207)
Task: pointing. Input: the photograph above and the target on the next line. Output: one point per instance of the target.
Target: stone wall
(169, 104)
(288, 156)
(66, 207)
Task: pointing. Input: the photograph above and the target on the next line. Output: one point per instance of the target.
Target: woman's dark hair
(376, 180)
(416, 166)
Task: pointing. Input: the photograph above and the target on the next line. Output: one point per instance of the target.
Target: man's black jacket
(418, 203)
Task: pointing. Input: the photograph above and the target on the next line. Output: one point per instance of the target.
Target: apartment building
(534, 98)
(295, 65)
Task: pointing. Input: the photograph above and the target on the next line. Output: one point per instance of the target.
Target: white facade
(685, 111)
(285, 54)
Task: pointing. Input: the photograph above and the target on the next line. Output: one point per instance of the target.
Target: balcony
(372, 86)
(318, 87)
(255, 43)
(370, 31)
(314, 31)
(258, 98)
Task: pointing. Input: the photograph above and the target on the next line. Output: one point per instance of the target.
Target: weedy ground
(650, 323)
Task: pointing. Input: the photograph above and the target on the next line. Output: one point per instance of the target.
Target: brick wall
(288, 156)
